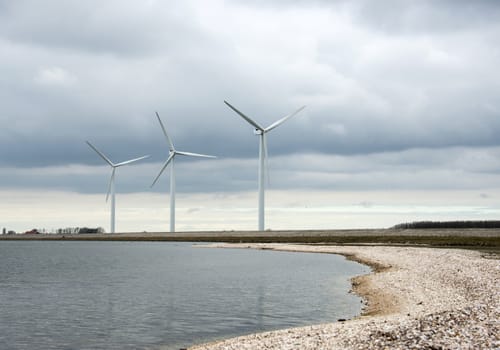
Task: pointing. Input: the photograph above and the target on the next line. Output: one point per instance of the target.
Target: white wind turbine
(171, 159)
(111, 188)
(261, 131)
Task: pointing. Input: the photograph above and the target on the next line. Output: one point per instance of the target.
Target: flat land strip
(485, 238)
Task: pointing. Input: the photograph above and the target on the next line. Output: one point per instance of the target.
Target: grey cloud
(417, 17)
(112, 27)
(420, 169)
(94, 71)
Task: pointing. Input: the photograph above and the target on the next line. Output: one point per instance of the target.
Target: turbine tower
(261, 131)
(111, 188)
(171, 159)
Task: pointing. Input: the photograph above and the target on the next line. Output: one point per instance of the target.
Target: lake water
(152, 295)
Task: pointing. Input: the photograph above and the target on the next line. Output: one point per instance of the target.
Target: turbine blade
(282, 120)
(111, 180)
(169, 159)
(170, 144)
(266, 160)
(131, 161)
(106, 159)
(248, 119)
(189, 154)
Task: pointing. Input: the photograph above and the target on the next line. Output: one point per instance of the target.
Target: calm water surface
(119, 295)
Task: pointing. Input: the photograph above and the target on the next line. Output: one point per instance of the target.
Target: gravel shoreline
(417, 298)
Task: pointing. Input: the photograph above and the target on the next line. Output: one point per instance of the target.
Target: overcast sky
(400, 95)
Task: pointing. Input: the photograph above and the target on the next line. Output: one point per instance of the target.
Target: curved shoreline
(416, 298)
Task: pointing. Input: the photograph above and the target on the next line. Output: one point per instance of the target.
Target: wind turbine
(261, 131)
(111, 188)
(171, 159)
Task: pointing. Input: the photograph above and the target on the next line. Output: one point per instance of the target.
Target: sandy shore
(417, 298)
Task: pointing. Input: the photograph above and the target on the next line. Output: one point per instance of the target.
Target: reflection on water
(119, 295)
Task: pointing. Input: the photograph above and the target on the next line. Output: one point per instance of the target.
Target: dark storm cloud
(377, 77)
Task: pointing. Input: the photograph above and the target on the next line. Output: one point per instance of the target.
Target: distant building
(4, 231)
(32, 232)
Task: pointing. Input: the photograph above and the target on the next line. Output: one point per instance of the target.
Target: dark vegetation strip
(464, 224)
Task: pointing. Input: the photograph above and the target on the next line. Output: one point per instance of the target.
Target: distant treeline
(449, 224)
(70, 230)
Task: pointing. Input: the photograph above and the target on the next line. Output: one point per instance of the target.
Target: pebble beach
(415, 298)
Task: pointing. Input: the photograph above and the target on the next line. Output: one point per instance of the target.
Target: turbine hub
(257, 132)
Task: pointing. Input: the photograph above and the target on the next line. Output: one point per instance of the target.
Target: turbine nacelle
(113, 165)
(173, 152)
